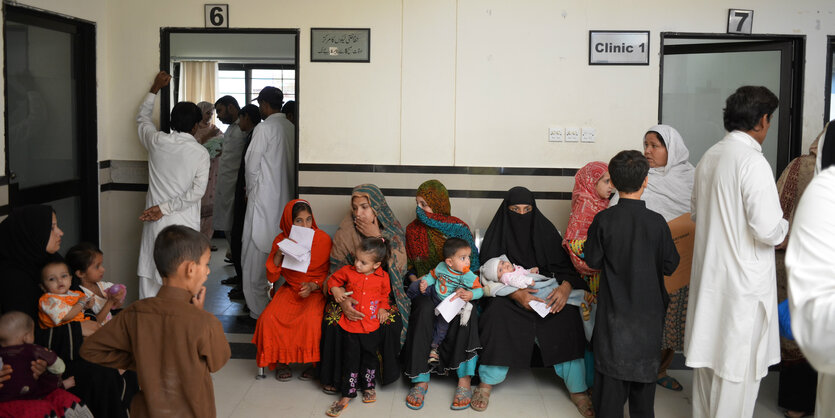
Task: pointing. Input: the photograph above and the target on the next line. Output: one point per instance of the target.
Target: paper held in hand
(296, 249)
(449, 307)
(540, 307)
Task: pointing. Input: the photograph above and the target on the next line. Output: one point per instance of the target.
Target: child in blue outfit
(450, 276)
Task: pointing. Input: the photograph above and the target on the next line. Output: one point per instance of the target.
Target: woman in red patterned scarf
(592, 188)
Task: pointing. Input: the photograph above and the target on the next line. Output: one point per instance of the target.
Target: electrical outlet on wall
(555, 134)
(572, 134)
(588, 134)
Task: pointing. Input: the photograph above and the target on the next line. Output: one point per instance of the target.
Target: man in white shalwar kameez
(230, 161)
(810, 262)
(270, 183)
(178, 170)
(731, 333)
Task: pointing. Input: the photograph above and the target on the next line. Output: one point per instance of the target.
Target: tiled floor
(531, 393)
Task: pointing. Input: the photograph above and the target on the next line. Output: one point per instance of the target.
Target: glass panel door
(50, 128)
(699, 75)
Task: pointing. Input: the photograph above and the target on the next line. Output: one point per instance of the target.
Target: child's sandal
(369, 396)
(335, 409)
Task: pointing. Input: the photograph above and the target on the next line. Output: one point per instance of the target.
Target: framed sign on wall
(608, 47)
(340, 45)
(740, 21)
(216, 15)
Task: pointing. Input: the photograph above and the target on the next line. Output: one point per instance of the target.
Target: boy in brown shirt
(171, 342)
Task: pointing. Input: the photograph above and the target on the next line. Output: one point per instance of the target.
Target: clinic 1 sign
(618, 47)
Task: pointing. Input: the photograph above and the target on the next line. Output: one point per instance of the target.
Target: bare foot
(69, 382)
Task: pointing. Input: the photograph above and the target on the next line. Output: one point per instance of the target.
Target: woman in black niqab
(528, 239)
(509, 330)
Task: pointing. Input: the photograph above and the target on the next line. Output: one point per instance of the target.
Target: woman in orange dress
(289, 329)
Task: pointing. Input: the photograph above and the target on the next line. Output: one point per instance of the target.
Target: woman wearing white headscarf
(668, 193)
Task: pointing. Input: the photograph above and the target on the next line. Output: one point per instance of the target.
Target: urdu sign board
(618, 47)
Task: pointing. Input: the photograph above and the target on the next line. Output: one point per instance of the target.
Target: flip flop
(418, 393)
(283, 373)
(369, 396)
(330, 390)
(480, 395)
(583, 404)
(335, 409)
(465, 395)
(669, 382)
(307, 374)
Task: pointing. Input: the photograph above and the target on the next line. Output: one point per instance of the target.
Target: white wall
(467, 82)
(449, 82)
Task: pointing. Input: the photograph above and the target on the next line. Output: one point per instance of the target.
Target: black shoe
(236, 294)
(231, 280)
(213, 247)
(228, 260)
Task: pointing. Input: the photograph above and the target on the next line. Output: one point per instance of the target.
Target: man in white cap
(270, 163)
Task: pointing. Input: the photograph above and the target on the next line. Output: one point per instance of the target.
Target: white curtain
(198, 81)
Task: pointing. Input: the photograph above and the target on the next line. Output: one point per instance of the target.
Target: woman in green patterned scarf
(370, 216)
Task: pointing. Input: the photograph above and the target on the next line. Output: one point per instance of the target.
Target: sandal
(480, 395)
(369, 396)
(583, 403)
(669, 382)
(463, 397)
(330, 390)
(307, 374)
(335, 409)
(283, 373)
(417, 393)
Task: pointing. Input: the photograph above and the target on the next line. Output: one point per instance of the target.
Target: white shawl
(669, 188)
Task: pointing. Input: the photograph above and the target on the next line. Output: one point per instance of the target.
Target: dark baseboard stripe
(124, 187)
(5, 210)
(433, 169)
(4, 180)
(469, 194)
(104, 164)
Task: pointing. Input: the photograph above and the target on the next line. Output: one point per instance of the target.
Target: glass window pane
(42, 117)
(231, 83)
(696, 86)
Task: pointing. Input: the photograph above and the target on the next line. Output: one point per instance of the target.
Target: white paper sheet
(448, 308)
(296, 249)
(539, 307)
(303, 236)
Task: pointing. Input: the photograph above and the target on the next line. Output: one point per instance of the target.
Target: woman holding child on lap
(370, 216)
(289, 329)
(425, 243)
(508, 326)
(29, 238)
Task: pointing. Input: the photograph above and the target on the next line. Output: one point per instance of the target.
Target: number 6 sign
(740, 21)
(217, 15)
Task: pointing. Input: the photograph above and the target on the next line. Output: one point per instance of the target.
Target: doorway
(247, 60)
(50, 122)
(699, 71)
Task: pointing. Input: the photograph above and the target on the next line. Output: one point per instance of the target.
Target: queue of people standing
(593, 304)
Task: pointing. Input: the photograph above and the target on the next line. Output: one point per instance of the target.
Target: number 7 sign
(217, 15)
(740, 21)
